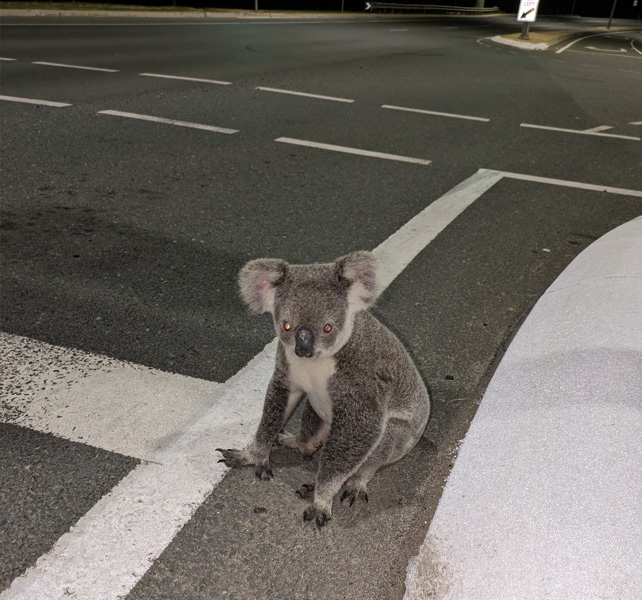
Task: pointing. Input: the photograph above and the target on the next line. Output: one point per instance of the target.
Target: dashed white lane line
(348, 150)
(112, 546)
(305, 94)
(196, 79)
(5, 58)
(436, 113)
(636, 123)
(128, 115)
(64, 66)
(34, 101)
(580, 131)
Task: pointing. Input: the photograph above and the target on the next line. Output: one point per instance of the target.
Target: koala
(366, 404)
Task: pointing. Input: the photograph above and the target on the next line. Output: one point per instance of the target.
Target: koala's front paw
(235, 458)
(306, 491)
(321, 517)
(263, 472)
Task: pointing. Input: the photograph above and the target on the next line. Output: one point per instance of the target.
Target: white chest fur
(312, 376)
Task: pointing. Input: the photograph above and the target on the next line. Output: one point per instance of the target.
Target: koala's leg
(279, 404)
(313, 433)
(398, 439)
(351, 440)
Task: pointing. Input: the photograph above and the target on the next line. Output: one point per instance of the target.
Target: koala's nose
(304, 343)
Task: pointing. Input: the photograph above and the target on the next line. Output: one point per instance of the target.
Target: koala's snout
(304, 343)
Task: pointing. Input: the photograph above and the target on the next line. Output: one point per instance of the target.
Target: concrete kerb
(544, 497)
(543, 40)
(212, 14)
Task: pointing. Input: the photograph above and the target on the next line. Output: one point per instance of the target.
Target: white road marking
(320, 97)
(598, 129)
(33, 101)
(215, 81)
(50, 64)
(573, 42)
(4, 58)
(580, 132)
(438, 114)
(348, 150)
(112, 546)
(128, 115)
(634, 48)
(573, 184)
(400, 249)
(605, 49)
(95, 399)
(636, 123)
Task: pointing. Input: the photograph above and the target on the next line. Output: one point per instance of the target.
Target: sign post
(527, 14)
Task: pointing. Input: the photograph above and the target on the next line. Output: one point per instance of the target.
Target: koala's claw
(264, 472)
(354, 495)
(233, 458)
(320, 517)
(306, 491)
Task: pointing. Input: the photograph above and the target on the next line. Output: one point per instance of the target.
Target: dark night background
(625, 9)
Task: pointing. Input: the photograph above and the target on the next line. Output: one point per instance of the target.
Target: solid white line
(3, 58)
(573, 42)
(32, 101)
(598, 129)
(112, 546)
(573, 184)
(347, 150)
(279, 91)
(50, 64)
(402, 247)
(580, 132)
(634, 48)
(439, 114)
(185, 78)
(94, 399)
(636, 123)
(128, 115)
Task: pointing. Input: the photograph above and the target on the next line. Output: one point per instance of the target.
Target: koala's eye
(327, 328)
(287, 326)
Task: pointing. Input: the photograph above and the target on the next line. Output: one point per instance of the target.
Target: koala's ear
(258, 281)
(361, 270)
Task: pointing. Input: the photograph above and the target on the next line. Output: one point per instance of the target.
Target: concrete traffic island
(544, 500)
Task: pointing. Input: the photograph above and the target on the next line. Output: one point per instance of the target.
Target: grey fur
(366, 403)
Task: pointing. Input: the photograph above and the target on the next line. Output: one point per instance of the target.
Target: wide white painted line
(348, 150)
(34, 101)
(304, 94)
(4, 58)
(111, 547)
(579, 39)
(50, 64)
(95, 399)
(197, 79)
(580, 132)
(128, 115)
(400, 249)
(636, 123)
(435, 113)
(544, 497)
(574, 184)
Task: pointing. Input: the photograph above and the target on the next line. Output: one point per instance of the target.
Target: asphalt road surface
(144, 162)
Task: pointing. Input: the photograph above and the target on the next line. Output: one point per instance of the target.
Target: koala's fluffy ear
(361, 270)
(258, 281)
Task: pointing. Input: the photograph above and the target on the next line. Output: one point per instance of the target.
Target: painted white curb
(544, 499)
(498, 39)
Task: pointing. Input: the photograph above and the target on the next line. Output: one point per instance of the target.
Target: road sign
(527, 12)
